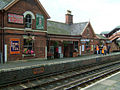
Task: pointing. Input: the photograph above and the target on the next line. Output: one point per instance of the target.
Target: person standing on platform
(108, 49)
(105, 49)
(97, 49)
(100, 48)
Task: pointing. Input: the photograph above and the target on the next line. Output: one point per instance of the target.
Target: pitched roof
(58, 28)
(100, 36)
(65, 29)
(105, 32)
(114, 30)
(78, 28)
(6, 4)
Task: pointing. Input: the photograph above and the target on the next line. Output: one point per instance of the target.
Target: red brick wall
(39, 45)
(114, 47)
(12, 57)
(40, 37)
(88, 33)
(21, 7)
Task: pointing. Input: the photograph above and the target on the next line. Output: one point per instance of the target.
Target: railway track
(68, 80)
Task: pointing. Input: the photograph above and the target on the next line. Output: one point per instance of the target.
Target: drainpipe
(3, 39)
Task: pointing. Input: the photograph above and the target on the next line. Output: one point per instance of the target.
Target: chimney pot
(68, 12)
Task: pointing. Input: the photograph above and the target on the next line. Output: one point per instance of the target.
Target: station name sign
(14, 18)
(84, 40)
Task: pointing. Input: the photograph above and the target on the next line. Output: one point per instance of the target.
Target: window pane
(28, 45)
(28, 21)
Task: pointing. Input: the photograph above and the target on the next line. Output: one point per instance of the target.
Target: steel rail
(29, 84)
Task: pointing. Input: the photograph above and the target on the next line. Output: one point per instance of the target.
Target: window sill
(27, 55)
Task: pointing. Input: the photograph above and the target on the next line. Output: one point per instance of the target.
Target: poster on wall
(14, 18)
(91, 47)
(14, 46)
(39, 21)
(82, 47)
(59, 50)
(80, 50)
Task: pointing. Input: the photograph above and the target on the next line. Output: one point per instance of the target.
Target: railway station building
(114, 37)
(25, 33)
(23, 30)
(70, 39)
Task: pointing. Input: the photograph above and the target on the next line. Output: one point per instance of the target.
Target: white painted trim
(29, 12)
(8, 4)
(85, 28)
(45, 52)
(27, 55)
(5, 53)
(22, 29)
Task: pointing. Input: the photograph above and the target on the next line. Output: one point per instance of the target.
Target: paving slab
(109, 83)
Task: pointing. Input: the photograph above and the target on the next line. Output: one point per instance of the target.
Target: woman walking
(97, 49)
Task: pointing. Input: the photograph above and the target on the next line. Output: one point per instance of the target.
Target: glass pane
(28, 21)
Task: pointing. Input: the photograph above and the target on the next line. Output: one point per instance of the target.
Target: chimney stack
(69, 17)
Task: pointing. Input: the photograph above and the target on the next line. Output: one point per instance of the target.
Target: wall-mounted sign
(38, 70)
(14, 18)
(59, 49)
(82, 47)
(14, 46)
(39, 21)
(91, 47)
(84, 40)
(108, 41)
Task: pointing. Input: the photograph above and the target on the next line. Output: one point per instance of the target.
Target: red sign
(38, 70)
(13, 18)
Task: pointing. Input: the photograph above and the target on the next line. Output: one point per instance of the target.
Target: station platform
(25, 69)
(22, 64)
(110, 83)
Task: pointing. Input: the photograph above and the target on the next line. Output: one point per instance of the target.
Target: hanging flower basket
(30, 39)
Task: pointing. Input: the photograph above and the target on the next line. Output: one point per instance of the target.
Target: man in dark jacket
(108, 49)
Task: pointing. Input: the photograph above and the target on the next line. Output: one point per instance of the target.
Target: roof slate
(65, 29)
(4, 3)
(58, 28)
(105, 32)
(100, 36)
(77, 28)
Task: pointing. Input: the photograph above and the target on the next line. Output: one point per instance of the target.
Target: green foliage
(56, 43)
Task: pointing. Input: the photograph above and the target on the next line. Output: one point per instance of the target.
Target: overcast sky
(104, 15)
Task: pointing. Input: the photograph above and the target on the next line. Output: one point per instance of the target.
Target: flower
(28, 51)
(32, 52)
